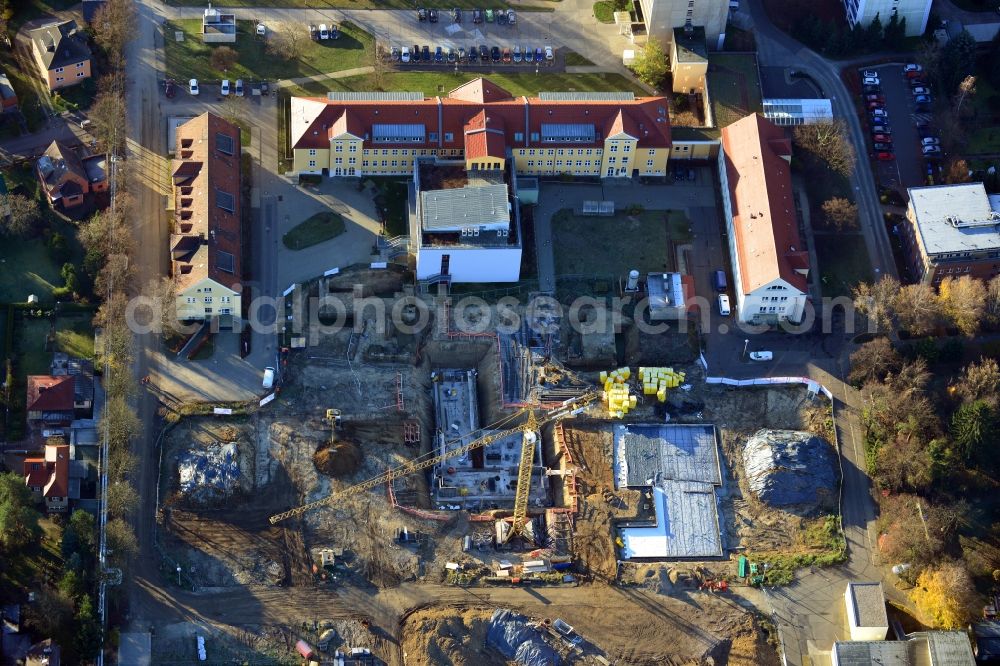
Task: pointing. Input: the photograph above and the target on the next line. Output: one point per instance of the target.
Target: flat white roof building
(866, 615)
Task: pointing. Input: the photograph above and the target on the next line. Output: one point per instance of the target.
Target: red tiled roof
(35, 472)
(644, 118)
(50, 394)
(205, 169)
(51, 473)
(484, 136)
(760, 189)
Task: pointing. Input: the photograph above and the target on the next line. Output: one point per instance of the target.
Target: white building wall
(769, 298)
(471, 264)
(662, 16)
(915, 12)
(861, 633)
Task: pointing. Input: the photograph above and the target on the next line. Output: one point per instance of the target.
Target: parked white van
(268, 377)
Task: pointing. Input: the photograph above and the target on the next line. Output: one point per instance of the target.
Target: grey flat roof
(586, 96)
(648, 453)
(955, 218)
(691, 48)
(666, 290)
(869, 605)
(925, 648)
(391, 96)
(461, 208)
(866, 653)
(949, 648)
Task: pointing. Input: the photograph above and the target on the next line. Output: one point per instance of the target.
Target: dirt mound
(338, 459)
(749, 646)
(448, 636)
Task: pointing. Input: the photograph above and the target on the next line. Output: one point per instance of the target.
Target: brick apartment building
(950, 231)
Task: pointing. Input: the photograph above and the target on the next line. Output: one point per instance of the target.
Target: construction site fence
(810, 384)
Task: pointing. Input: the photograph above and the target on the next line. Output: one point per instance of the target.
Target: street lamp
(746, 343)
(178, 575)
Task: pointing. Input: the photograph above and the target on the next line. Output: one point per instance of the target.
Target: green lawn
(843, 262)
(26, 268)
(602, 246)
(574, 59)
(20, 80)
(74, 335)
(191, 57)
(318, 228)
(441, 82)
(604, 11)
(985, 140)
(733, 87)
(31, 567)
(75, 98)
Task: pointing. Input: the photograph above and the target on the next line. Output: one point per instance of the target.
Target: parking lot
(908, 168)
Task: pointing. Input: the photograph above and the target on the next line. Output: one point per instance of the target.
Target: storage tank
(633, 281)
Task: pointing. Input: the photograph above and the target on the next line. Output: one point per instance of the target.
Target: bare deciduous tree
(19, 214)
(841, 214)
(918, 308)
(873, 361)
(107, 114)
(829, 142)
(288, 41)
(877, 301)
(113, 25)
(122, 499)
(980, 381)
(967, 88)
(963, 301)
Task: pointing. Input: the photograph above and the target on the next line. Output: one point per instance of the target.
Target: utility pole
(920, 512)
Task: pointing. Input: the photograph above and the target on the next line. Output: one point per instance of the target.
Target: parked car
(885, 157)
(404, 54)
(334, 31)
(724, 309)
(510, 17)
(931, 150)
(881, 138)
(425, 51)
(432, 15)
(452, 56)
(539, 55)
(873, 90)
(477, 15)
(930, 141)
(193, 86)
(421, 14)
(495, 54)
(456, 15)
(874, 98)
(416, 54)
(516, 53)
(501, 17)
(549, 55)
(870, 73)
(438, 54)
(506, 57)
(489, 16)
(879, 113)
(875, 105)
(871, 81)
(484, 53)
(914, 75)
(921, 90)
(912, 67)
(239, 87)
(528, 54)
(473, 54)
(881, 128)
(169, 88)
(761, 355)
(313, 33)
(917, 82)
(461, 54)
(324, 33)
(719, 281)
(224, 89)
(921, 99)
(268, 381)
(882, 147)
(394, 54)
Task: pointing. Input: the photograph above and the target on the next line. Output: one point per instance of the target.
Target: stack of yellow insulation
(616, 392)
(656, 381)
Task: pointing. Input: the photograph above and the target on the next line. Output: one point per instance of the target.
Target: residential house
(45, 653)
(866, 616)
(62, 54)
(206, 244)
(48, 477)
(50, 402)
(950, 231)
(606, 135)
(662, 16)
(770, 266)
(8, 98)
(465, 224)
(69, 179)
(914, 12)
(82, 372)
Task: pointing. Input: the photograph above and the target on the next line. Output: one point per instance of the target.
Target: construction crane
(423, 462)
(519, 521)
